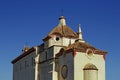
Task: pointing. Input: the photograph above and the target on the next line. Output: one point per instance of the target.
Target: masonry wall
(47, 66)
(24, 69)
(67, 60)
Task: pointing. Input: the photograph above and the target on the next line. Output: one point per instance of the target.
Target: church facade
(63, 55)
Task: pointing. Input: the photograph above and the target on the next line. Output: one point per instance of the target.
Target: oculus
(89, 53)
(57, 38)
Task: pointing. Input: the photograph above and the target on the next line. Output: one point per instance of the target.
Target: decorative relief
(89, 53)
(64, 71)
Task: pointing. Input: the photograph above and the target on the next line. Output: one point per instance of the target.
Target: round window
(89, 52)
(57, 39)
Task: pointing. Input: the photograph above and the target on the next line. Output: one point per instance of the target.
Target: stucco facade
(63, 55)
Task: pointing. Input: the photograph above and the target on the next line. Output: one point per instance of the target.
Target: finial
(79, 28)
(62, 21)
(79, 32)
(26, 47)
(62, 12)
(80, 39)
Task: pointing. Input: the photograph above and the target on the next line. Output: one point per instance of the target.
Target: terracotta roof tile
(80, 47)
(63, 31)
(23, 55)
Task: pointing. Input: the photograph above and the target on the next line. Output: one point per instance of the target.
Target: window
(57, 38)
(32, 61)
(26, 64)
(90, 72)
(15, 68)
(46, 55)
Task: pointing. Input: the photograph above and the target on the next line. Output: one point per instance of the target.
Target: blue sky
(28, 21)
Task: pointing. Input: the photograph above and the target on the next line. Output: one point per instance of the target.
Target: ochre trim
(104, 56)
(74, 53)
(23, 55)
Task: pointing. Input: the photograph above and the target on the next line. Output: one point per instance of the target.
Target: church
(63, 55)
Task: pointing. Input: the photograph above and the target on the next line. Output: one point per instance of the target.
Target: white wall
(62, 41)
(81, 59)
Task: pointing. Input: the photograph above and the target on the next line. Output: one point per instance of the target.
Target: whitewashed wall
(62, 41)
(81, 59)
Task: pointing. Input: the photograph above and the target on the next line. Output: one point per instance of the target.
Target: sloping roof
(80, 47)
(63, 31)
(23, 55)
(29, 51)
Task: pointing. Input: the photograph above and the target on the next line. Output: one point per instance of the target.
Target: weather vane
(61, 12)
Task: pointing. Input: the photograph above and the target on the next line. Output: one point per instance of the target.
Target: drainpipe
(37, 64)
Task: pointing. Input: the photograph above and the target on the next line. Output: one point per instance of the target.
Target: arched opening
(90, 72)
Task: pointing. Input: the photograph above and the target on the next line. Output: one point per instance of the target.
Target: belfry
(63, 55)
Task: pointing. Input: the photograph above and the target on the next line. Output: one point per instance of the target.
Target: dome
(62, 30)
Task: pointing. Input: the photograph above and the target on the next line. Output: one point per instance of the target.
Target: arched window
(90, 72)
